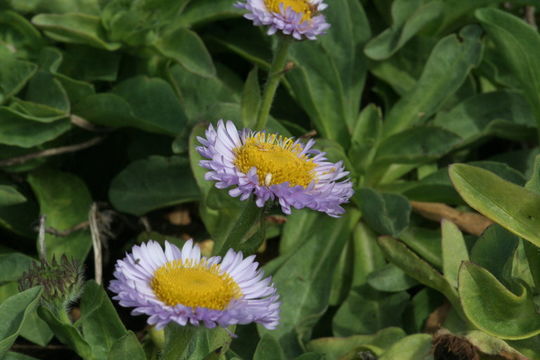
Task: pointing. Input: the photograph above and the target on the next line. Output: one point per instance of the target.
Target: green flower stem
(276, 71)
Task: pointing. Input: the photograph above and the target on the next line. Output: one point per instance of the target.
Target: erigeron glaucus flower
(299, 18)
(274, 167)
(173, 285)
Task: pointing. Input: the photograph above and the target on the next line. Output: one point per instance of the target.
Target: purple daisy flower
(274, 167)
(185, 287)
(299, 18)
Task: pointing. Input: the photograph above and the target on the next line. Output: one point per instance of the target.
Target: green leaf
(10, 355)
(14, 74)
(534, 182)
(494, 309)
(251, 99)
(193, 342)
(496, 199)
(202, 11)
(518, 44)
(65, 201)
(75, 28)
(152, 183)
(99, 322)
(425, 242)
(19, 35)
(329, 75)
(17, 130)
(365, 137)
(417, 268)
(420, 144)
(439, 80)
(502, 113)
(13, 313)
(45, 90)
(66, 333)
(305, 278)
(187, 48)
(385, 213)
(454, 251)
(367, 254)
(412, 347)
(268, 349)
(367, 310)
(391, 40)
(335, 348)
(494, 250)
(10, 196)
(127, 347)
(154, 104)
(390, 278)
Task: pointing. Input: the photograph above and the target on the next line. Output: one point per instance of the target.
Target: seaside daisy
(299, 18)
(184, 287)
(272, 167)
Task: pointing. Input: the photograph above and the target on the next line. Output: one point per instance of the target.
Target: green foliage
(105, 101)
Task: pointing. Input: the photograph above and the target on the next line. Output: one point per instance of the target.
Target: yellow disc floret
(194, 285)
(299, 6)
(277, 160)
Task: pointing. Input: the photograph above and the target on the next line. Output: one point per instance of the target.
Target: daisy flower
(182, 286)
(299, 18)
(271, 167)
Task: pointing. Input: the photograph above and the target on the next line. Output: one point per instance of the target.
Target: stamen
(303, 7)
(277, 160)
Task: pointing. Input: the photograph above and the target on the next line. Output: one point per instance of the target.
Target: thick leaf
(187, 48)
(65, 201)
(390, 278)
(202, 11)
(127, 347)
(329, 76)
(45, 90)
(416, 267)
(367, 254)
(154, 104)
(387, 214)
(417, 145)
(13, 313)
(518, 43)
(533, 184)
(100, 323)
(193, 342)
(17, 130)
(365, 137)
(268, 349)
(496, 199)
(19, 35)
(251, 99)
(304, 279)
(485, 113)
(412, 347)
(494, 251)
(67, 333)
(367, 310)
(14, 74)
(10, 196)
(493, 308)
(152, 183)
(391, 40)
(447, 68)
(334, 348)
(75, 28)
(454, 251)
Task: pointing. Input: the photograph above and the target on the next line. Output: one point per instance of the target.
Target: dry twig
(51, 152)
(470, 222)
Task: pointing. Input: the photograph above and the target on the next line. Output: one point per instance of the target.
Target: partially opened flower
(299, 18)
(274, 167)
(173, 285)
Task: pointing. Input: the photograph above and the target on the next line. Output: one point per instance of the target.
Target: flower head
(182, 286)
(62, 281)
(299, 18)
(274, 167)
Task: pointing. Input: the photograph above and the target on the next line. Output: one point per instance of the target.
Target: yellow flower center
(194, 285)
(277, 160)
(298, 6)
